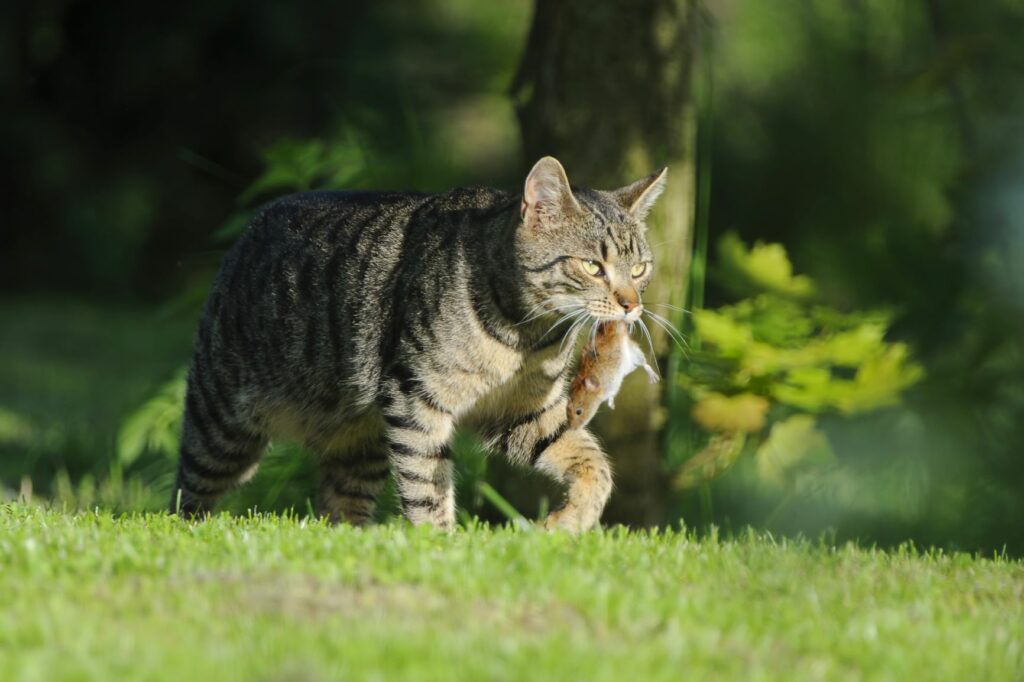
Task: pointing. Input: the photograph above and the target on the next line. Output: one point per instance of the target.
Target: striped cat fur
(368, 325)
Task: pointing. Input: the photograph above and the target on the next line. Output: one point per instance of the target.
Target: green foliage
(155, 425)
(778, 359)
(292, 165)
(798, 354)
(296, 165)
(764, 267)
(794, 444)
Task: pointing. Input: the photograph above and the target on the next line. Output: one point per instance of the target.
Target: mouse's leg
(652, 376)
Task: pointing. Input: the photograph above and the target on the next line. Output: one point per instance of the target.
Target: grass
(92, 596)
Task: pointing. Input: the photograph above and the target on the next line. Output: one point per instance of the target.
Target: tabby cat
(367, 325)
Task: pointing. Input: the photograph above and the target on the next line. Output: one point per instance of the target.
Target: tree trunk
(605, 88)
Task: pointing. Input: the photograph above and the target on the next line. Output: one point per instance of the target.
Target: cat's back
(324, 217)
(322, 220)
(318, 286)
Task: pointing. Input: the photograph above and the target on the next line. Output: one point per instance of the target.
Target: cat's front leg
(421, 461)
(570, 456)
(577, 460)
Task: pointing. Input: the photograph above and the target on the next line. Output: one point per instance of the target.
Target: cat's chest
(538, 378)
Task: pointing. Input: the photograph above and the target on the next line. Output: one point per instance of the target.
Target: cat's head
(586, 250)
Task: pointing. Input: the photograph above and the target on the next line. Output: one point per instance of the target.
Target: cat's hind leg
(353, 471)
(219, 450)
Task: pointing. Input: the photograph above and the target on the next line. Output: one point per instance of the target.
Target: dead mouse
(603, 366)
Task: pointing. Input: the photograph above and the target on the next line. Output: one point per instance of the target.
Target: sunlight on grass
(97, 597)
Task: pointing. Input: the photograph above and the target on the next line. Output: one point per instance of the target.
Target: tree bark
(605, 88)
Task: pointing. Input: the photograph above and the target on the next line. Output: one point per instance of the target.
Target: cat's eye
(592, 267)
(638, 270)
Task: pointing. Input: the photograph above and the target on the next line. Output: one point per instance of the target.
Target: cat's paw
(562, 521)
(569, 520)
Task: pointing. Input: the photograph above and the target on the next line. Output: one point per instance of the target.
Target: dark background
(879, 142)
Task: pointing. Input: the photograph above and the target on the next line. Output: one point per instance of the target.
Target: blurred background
(839, 254)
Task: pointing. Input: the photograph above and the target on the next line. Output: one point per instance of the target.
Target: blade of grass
(500, 503)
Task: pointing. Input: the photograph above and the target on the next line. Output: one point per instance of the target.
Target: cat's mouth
(629, 317)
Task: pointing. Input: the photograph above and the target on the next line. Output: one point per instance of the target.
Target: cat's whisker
(667, 322)
(667, 241)
(546, 306)
(650, 344)
(578, 324)
(672, 332)
(562, 320)
(535, 314)
(671, 336)
(591, 334)
(670, 307)
(567, 336)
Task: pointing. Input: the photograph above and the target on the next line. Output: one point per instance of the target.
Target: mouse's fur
(603, 366)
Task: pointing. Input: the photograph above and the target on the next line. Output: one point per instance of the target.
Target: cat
(367, 325)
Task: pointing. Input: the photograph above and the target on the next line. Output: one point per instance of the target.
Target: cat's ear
(591, 383)
(547, 198)
(639, 197)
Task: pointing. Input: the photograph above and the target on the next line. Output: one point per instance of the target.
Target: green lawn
(148, 597)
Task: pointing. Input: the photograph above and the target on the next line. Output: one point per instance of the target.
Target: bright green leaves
(878, 382)
(810, 358)
(761, 268)
(744, 412)
(771, 362)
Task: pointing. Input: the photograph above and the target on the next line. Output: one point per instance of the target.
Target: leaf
(811, 389)
(881, 379)
(232, 227)
(289, 165)
(851, 348)
(155, 425)
(726, 414)
(879, 382)
(730, 337)
(721, 452)
(793, 445)
(761, 268)
(292, 165)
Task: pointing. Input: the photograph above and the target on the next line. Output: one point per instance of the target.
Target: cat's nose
(627, 305)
